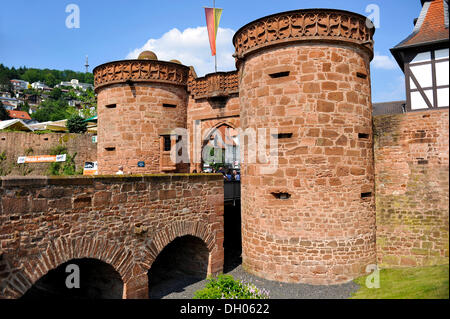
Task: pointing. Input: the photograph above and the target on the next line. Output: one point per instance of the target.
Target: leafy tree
(56, 94)
(31, 75)
(3, 113)
(50, 110)
(24, 107)
(76, 124)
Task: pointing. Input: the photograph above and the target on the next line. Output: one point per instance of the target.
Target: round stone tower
(140, 103)
(306, 73)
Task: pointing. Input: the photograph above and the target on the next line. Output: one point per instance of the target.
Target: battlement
(142, 71)
(214, 85)
(323, 25)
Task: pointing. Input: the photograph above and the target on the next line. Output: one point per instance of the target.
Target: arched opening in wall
(95, 279)
(180, 264)
(221, 149)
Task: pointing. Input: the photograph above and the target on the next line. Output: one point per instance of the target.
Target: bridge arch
(185, 251)
(178, 229)
(63, 250)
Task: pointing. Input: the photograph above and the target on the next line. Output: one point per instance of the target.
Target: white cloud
(191, 47)
(384, 62)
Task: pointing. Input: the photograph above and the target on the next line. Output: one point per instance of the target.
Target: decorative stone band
(305, 25)
(140, 71)
(221, 84)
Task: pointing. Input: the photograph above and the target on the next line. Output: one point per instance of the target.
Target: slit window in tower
(363, 135)
(282, 135)
(422, 161)
(169, 105)
(361, 75)
(110, 149)
(111, 106)
(279, 74)
(366, 195)
(281, 195)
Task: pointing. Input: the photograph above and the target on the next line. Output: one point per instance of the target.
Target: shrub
(4, 115)
(4, 168)
(225, 287)
(76, 124)
(67, 168)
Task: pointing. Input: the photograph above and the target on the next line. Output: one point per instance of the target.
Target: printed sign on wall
(42, 159)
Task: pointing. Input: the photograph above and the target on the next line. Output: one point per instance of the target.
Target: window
(363, 135)
(427, 80)
(167, 143)
(282, 135)
(279, 74)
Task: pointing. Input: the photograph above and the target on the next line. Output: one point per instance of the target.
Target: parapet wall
(123, 221)
(412, 188)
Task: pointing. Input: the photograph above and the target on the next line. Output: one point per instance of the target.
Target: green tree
(52, 111)
(3, 113)
(50, 79)
(32, 75)
(56, 94)
(76, 124)
(24, 107)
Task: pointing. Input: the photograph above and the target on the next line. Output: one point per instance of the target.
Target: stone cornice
(214, 85)
(140, 71)
(305, 25)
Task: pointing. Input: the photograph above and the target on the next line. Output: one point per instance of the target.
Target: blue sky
(34, 33)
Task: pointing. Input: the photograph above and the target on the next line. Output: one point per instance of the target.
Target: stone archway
(87, 279)
(61, 251)
(189, 236)
(219, 145)
(181, 263)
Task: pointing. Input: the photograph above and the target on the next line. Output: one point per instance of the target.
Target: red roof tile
(19, 115)
(432, 28)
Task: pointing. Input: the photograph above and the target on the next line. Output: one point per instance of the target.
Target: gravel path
(185, 289)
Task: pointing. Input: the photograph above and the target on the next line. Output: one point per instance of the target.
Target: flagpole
(215, 56)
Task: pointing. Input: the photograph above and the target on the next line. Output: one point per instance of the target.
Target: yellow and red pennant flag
(212, 22)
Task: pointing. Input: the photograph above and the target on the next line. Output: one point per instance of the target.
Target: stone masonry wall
(123, 221)
(412, 188)
(130, 132)
(324, 232)
(16, 144)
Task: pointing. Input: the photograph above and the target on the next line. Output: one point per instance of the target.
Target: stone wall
(412, 188)
(123, 221)
(17, 144)
(132, 119)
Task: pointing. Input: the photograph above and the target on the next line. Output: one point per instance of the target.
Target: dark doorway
(98, 280)
(232, 243)
(181, 263)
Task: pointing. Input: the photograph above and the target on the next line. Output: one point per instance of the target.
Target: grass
(407, 283)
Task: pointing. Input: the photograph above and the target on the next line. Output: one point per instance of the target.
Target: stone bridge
(125, 233)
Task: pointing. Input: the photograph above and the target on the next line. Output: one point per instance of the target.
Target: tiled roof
(431, 26)
(19, 115)
(396, 107)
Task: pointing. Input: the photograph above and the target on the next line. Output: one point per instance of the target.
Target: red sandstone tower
(307, 73)
(140, 103)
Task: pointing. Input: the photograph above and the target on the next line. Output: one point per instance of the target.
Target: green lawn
(407, 283)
